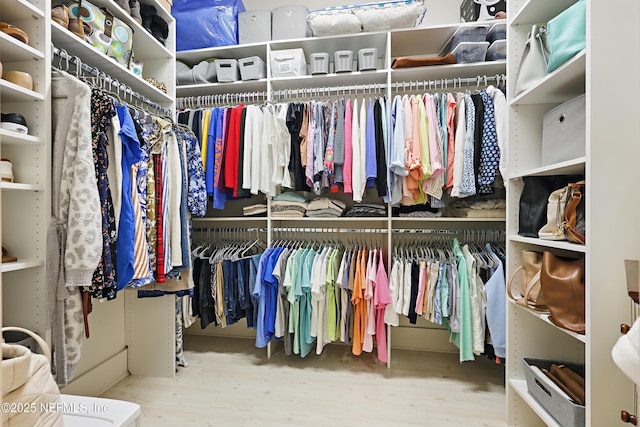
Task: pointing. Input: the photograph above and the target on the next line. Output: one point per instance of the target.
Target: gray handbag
(533, 65)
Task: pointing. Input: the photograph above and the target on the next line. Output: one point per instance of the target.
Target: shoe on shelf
(14, 122)
(14, 32)
(20, 78)
(124, 4)
(134, 5)
(159, 29)
(60, 14)
(6, 257)
(6, 170)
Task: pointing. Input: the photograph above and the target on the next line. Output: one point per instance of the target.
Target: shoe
(19, 78)
(14, 122)
(124, 4)
(14, 32)
(60, 14)
(6, 170)
(6, 257)
(76, 26)
(134, 5)
(159, 29)
(147, 11)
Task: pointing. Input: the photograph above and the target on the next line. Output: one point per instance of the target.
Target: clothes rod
(319, 92)
(105, 82)
(329, 230)
(210, 101)
(453, 83)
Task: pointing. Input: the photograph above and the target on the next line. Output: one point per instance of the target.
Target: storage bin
(567, 413)
(289, 22)
(470, 52)
(466, 34)
(564, 132)
(367, 59)
(227, 70)
(252, 68)
(288, 62)
(254, 26)
(497, 50)
(319, 63)
(343, 61)
(498, 31)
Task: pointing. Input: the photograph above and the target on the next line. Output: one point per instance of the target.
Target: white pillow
(333, 21)
(389, 15)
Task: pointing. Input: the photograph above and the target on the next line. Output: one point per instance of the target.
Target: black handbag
(534, 200)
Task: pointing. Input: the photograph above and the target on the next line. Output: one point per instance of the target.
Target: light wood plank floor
(229, 382)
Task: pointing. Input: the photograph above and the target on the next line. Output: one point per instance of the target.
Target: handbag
(532, 214)
(533, 65)
(554, 229)
(567, 34)
(573, 220)
(562, 282)
(532, 297)
(569, 381)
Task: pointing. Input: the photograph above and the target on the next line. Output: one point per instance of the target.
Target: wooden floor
(231, 383)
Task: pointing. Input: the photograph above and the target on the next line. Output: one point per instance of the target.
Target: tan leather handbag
(562, 282)
(531, 296)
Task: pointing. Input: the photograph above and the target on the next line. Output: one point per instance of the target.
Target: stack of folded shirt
(367, 209)
(478, 207)
(255, 210)
(288, 204)
(325, 207)
(417, 211)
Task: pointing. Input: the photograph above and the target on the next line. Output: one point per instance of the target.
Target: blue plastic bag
(206, 23)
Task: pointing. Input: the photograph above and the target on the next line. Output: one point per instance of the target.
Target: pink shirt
(381, 298)
(348, 148)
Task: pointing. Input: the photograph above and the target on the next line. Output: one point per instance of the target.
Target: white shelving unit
(388, 82)
(611, 171)
(26, 201)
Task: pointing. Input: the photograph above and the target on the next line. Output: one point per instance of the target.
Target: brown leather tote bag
(562, 282)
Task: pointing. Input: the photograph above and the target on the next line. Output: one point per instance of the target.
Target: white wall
(438, 11)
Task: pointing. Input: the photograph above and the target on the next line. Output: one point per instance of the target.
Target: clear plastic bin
(470, 52)
(319, 63)
(343, 61)
(227, 70)
(498, 31)
(252, 68)
(367, 59)
(466, 34)
(497, 50)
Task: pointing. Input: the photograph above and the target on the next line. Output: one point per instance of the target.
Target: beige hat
(14, 32)
(20, 78)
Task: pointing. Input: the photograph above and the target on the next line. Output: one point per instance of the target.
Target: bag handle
(38, 339)
(523, 299)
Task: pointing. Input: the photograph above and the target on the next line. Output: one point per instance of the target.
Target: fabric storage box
(288, 62)
(498, 31)
(564, 132)
(227, 70)
(289, 22)
(254, 26)
(559, 406)
(367, 59)
(470, 52)
(481, 10)
(497, 50)
(252, 68)
(319, 63)
(343, 61)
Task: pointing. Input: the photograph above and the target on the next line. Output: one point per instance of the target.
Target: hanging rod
(329, 230)
(319, 92)
(106, 82)
(453, 83)
(210, 101)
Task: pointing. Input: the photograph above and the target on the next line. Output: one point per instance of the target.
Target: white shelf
(340, 220)
(209, 220)
(564, 83)
(13, 50)
(20, 10)
(11, 92)
(551, 244)
(20, 264)
(570, 167)
(74, 46)
(544, 317)
(535, 11)
(192, 57)
(446, 219)
(436, 72)
(203, 89)
(421, 41)
(330, 44)
(14, 186)
(520, 386)
(13, 138)
(355, 78)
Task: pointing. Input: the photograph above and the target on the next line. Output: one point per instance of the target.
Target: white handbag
(533, 65)
(553, 229)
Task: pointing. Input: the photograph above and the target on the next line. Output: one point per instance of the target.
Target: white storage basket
(252, 68)
(367, 59)
(319, 63)
(288, 62)
(227, 70)
(343, 61)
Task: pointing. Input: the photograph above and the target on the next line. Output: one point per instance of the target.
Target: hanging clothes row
(458, 286)
(410, 151)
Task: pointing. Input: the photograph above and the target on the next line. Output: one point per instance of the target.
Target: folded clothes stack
(259, 209)
(325, 207)
(288, 204)
(417, 211)
(367, 209)
(478, 208)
